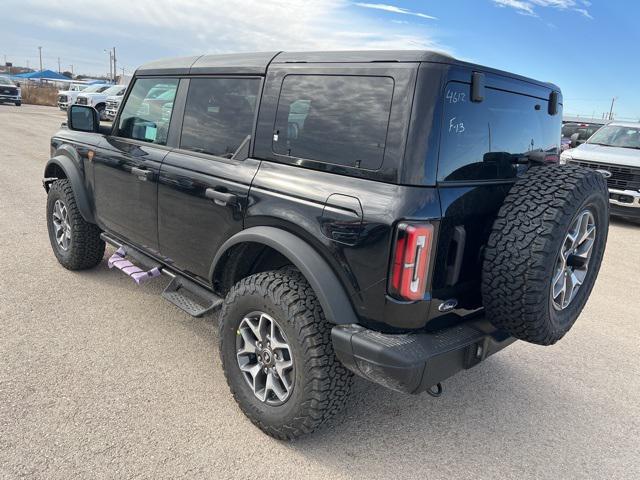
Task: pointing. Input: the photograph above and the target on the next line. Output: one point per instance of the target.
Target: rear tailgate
(483, 145)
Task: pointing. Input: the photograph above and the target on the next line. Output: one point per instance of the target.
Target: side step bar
(191, 297)
(185, 294)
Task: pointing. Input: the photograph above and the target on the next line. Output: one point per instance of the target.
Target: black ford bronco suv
(399, 215)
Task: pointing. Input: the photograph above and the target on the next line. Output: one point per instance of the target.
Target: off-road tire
(524, 244)
(322, 383)
(86, 248)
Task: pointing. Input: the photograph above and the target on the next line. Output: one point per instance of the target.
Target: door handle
(141, 173)
(221, 198)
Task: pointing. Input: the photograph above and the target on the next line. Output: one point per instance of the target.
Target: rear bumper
(414, 362)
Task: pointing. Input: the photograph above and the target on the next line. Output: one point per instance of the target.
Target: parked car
(614, 151)
(576, 133)
(98, 99)
(406, 228)
(112, 105)
(68, 97)
(10, 91)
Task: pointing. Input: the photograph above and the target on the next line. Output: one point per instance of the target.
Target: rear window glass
(481, 141)
(334, 119)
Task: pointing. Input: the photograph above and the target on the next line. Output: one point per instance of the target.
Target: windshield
(115, 90)
(617, 136)
(5, 81)
(584, 130)
(94, 88)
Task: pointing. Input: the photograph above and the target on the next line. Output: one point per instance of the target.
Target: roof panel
(363, 56)
(257, 63)
(239, 63)
(168, 66)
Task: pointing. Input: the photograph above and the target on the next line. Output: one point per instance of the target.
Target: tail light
(410, 266)
(551, 158)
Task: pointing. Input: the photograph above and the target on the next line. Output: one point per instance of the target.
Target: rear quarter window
(334, 119)
(480, 141)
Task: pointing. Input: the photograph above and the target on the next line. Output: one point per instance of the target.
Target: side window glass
(219, 114)
(147, 112)
(334, 119)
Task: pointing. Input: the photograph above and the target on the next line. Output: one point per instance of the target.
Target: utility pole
(611, 109)
(40, 54)
(71, 70)
(111, 74)
(59, 70)
(115, 70)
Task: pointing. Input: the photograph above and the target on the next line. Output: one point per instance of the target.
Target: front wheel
(18, 103)
(76, 243)
(277, 355)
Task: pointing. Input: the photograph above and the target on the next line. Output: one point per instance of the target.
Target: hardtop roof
(257, 63)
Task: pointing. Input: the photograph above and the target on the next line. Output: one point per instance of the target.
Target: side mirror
(83, 118)
(18, 84)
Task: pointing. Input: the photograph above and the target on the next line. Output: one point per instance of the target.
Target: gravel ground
(103, 379)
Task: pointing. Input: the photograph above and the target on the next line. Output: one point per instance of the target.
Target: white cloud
(584, 12)
(394, 9)
(148, 29)
(519, 5)
(527, 7)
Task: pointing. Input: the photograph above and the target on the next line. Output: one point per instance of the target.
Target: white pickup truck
(68, 97)
(112, 106)
(98, 98)
(614, 151)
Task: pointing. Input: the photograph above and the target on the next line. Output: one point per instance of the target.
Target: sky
(587, 47)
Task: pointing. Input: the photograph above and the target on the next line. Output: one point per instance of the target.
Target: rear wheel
(277, 355)
(76, 243)
(544, 252)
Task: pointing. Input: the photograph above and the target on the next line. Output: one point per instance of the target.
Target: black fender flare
(331, 294)
(73, 174)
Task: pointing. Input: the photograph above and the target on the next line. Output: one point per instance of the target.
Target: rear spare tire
(544, 252)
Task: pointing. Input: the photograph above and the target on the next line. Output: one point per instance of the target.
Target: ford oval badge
(448, 305)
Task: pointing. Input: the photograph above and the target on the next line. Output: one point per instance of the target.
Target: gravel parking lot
(103, 379)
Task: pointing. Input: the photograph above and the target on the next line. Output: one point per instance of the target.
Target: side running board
(185, 294)
(191, 297)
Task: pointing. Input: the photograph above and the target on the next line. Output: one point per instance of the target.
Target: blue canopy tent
(42, 75)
